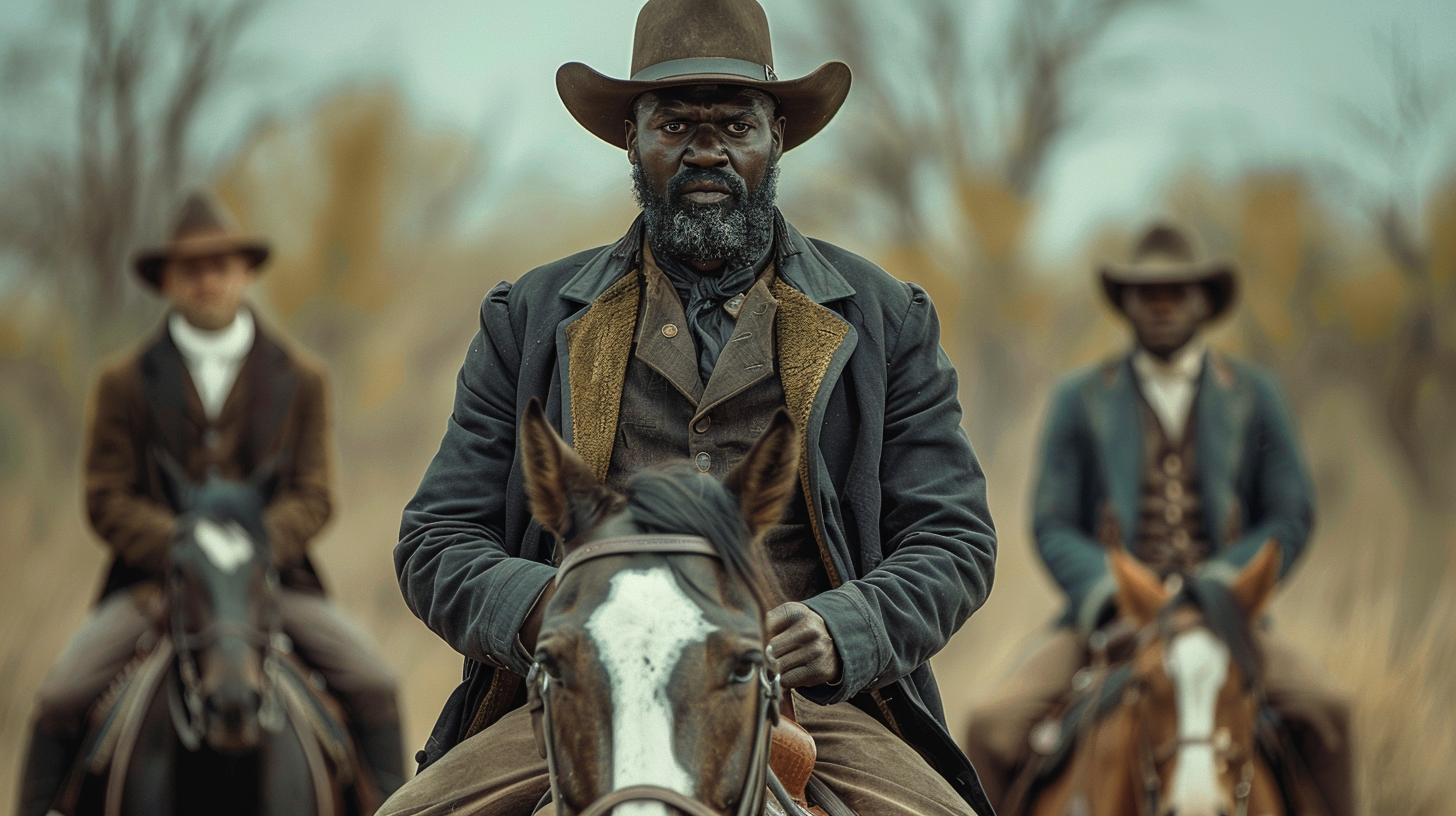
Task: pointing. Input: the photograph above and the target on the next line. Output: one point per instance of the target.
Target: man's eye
(738, 128)
(675, 127)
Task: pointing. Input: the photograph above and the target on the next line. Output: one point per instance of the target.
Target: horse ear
(1254, 585)
(175, 481)
(560, 486)
(1139, 592)
(765, 479)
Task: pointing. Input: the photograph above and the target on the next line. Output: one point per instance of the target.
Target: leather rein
(539, 685)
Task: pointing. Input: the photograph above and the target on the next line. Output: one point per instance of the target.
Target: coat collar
(797, 261)
(1223, 411)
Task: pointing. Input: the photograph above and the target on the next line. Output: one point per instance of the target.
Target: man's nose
(706, 149)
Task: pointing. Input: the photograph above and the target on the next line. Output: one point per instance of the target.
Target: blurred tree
(953, 148)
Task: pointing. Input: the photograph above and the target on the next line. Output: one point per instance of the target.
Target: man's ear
(631, 130)
(1254, 585)
(1140, 595)
(564, 494)
(778, 126)
(765, 479)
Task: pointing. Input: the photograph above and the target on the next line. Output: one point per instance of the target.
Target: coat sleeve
(1073, 556)
(935, 524)
(455, 569)
(303, 501)
(1281, 501)
(137, 528)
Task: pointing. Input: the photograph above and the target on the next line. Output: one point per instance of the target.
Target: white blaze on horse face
(227, 546)
(640, 632)
(1198, 663)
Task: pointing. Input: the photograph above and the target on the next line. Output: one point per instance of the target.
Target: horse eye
(744, 670)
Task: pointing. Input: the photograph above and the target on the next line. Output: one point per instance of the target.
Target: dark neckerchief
(703, 295)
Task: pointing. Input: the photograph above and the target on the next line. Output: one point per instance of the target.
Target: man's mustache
(737, 190)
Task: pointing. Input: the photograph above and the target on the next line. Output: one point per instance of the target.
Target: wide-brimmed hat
(1167, 253)
(203, 228)
(701, 42)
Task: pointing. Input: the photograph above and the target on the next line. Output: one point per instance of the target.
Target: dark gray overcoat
(897, 496)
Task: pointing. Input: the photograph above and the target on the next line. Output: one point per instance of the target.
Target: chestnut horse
(1181, 738)
(217, 717)
(651, 691)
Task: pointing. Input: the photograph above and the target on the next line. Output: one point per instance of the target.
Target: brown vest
(1170, 535)
(668, 413)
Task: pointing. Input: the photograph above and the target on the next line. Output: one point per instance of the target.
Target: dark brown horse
(1180, 735)
(652, 691)
(218, 718)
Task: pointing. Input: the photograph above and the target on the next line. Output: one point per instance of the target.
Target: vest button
(1173, 513)
(702, 425)
(669, 330)
(1172, 464)
(1174, 491)
(704, 462)
(1181, 539)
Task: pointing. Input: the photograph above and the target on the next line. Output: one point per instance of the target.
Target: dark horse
(218, 717)
(652, 691)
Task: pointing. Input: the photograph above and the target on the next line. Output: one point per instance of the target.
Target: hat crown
(1165, 243)
(201, 213)
(670, 30)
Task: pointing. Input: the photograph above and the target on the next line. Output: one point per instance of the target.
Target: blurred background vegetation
(389, 227)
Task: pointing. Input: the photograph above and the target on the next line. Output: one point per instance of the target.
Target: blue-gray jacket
(897, 497)
(1252, 474)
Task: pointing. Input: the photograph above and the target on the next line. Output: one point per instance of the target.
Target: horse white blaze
(640, 632)
(1198, 663)
(227, 546)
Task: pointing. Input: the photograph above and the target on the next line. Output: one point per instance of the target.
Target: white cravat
(213, 357)
(1170, 386)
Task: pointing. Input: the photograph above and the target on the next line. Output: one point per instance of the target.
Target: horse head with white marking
(652, 691)
(1194, 696)
(222, 601)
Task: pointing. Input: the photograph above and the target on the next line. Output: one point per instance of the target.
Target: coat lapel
(171, 396)
(598, 345)
(1117, 425)
(1222, 417)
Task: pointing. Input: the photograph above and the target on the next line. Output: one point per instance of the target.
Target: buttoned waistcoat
(145, 405)
(895, 494)
(1253, 483)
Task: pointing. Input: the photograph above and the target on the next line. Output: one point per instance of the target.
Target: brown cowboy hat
(701, 42)
(1167, 253)
(203, 229)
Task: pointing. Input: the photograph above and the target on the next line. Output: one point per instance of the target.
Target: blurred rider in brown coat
(218, 394)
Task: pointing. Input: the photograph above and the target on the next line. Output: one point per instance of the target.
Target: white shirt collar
(1170, 385)
(231, 342)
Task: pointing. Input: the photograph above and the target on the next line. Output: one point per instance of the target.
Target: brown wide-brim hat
(1167, 253)
(701, 42)
(203, 229)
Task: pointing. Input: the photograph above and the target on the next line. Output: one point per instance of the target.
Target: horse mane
(677, 499)
(1225, 619)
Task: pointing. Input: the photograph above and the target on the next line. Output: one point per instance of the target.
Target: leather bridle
(539, 685)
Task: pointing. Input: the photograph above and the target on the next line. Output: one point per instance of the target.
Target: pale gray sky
(1228, 84)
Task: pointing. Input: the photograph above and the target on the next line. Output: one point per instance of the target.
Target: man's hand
(532, 625)
(802, 646)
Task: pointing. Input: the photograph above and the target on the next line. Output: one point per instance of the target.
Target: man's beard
(737, 229)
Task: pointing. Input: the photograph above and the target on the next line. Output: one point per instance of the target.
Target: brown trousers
(498, 772)
(1316, 713)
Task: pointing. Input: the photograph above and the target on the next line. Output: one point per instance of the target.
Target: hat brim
(149, 262)
(601, 103)
(1219, 279)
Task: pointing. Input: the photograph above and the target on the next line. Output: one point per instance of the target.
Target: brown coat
(146, 403)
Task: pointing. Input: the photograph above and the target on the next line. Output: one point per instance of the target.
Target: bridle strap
(637, 545)
(648, 793)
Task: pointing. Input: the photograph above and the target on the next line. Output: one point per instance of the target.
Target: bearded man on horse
(680, 342)
(1189, 460)
(216, 394)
